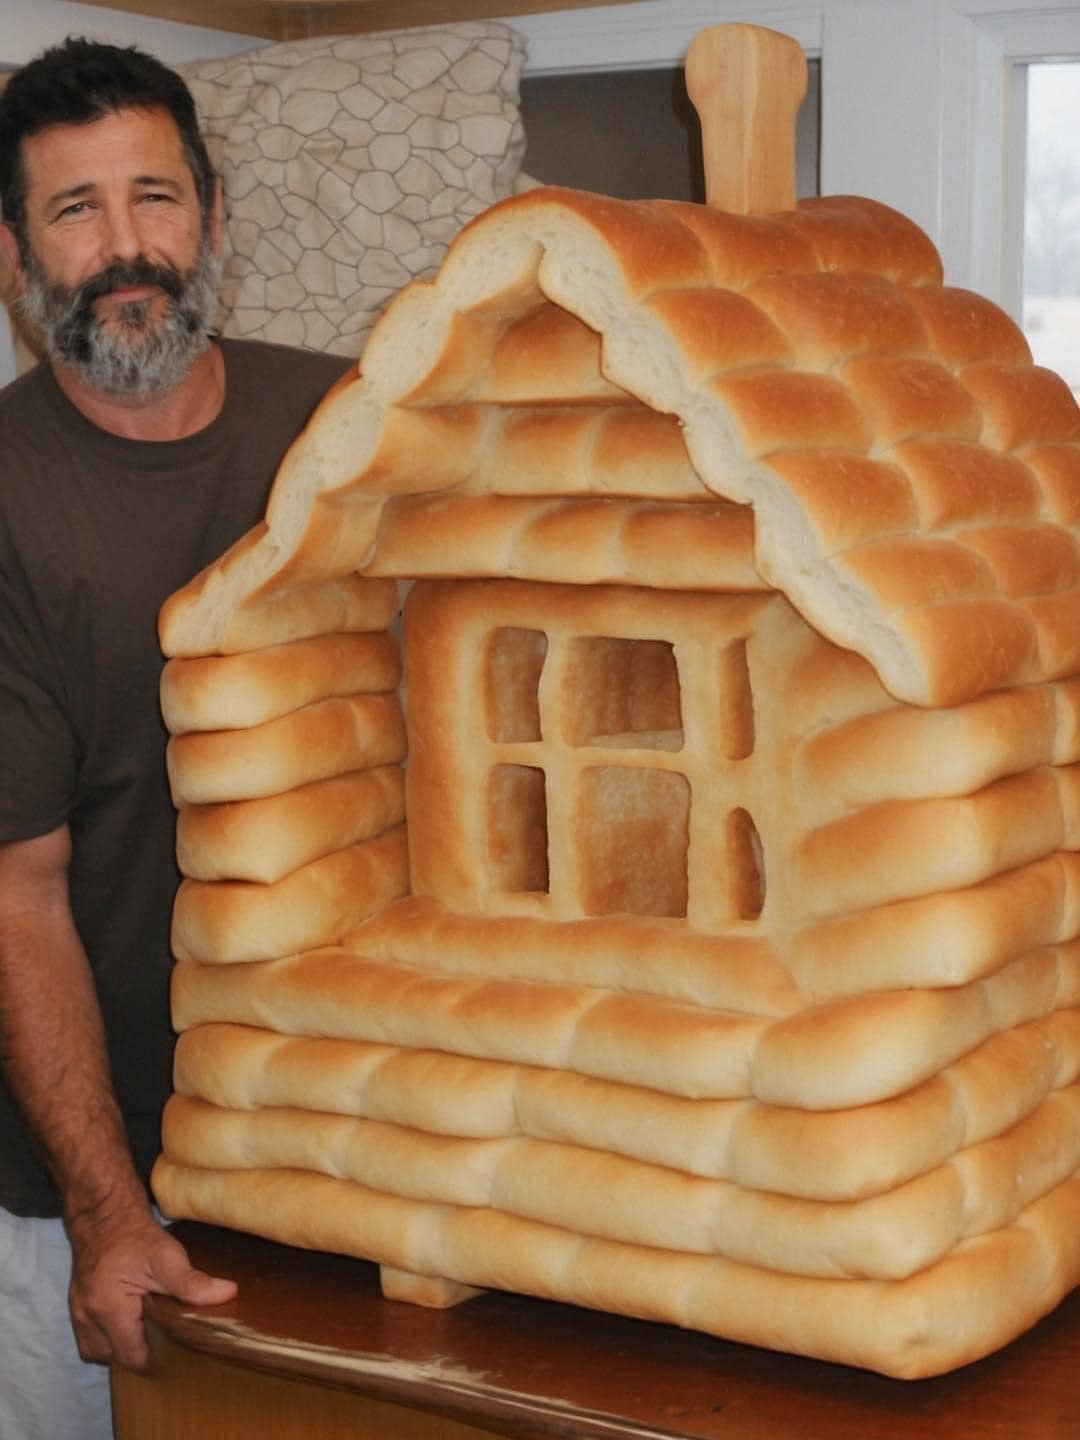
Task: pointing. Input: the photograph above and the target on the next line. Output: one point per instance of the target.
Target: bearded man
(130, 458)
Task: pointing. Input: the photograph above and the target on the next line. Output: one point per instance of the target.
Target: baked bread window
(595, 789)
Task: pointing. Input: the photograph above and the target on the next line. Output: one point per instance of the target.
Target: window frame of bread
(617, 710)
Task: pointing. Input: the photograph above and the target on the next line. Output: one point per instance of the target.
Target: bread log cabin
(691, 929)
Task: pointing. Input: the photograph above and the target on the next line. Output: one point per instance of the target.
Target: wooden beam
(265, 19)
(297, 19)
(325, 17)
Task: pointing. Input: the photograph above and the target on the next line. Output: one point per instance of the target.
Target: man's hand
(53, 1053)
(117, 1260)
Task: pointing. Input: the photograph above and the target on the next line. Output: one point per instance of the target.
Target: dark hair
(81, 81)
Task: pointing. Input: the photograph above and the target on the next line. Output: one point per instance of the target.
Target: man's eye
(73, 211)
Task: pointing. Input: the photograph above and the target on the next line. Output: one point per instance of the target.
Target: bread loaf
(266, 839)
(973, 1301)
(830, 1155)
(330, 737)
(234, 921)
(888, 1236)
(238, 691)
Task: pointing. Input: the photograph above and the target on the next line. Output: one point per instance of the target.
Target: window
(622, 693)
(1051, 284)
(517, 829)
(635, 834)
(512, 689)
(616, 771)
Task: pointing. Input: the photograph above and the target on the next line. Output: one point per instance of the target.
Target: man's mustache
(122, 274)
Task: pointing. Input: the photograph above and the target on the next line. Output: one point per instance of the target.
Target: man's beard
(133, 353)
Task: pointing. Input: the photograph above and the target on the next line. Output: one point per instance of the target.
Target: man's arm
(52, 1049)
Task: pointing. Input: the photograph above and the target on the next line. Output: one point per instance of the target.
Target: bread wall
(285, 766)
(857, 1067)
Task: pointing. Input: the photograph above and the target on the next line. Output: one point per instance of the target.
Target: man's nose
(123, 237)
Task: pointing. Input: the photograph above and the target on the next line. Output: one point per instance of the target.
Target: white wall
(28, 26)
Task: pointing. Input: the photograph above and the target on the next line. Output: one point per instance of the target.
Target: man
(131, 458)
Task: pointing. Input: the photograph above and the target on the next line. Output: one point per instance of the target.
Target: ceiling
(293, 19)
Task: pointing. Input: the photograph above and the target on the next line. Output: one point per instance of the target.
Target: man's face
(121, 274)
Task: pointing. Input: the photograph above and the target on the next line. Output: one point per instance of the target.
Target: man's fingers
(91, 1341)
(129, 1347)
(175, 1275)
(203, 1289)
(119, 1336)
(109, 1285)
(195, 1287)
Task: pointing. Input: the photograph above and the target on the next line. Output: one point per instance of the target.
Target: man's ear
(11, 265)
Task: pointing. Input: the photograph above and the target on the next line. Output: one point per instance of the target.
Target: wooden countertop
(528, 1368)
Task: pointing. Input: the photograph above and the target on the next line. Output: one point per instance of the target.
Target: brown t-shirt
(95, 532)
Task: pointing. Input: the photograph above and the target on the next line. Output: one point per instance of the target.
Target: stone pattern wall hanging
(349, 163)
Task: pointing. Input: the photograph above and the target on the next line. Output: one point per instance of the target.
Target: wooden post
(747, 84)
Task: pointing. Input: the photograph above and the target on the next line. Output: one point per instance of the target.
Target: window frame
(983, 202)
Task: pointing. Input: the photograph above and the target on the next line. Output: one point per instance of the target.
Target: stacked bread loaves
(713, 956)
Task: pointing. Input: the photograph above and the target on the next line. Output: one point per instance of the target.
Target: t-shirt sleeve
(38, 747)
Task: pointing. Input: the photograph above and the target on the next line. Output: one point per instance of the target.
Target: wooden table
(309, 1348)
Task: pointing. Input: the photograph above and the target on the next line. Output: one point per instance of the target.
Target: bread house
(687, 926)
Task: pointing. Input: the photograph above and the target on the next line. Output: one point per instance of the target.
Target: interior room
(544, 734)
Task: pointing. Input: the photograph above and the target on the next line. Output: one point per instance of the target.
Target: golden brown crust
(903, 397)
(971, 1302)
(1057, 467)
(329, 737)
(829, 1155)
(971, 647)
(545, 357)
(940, 939)
(266, 839)
(236, 921)
(191, 625)
(1022, 405)
(1056, 619)
(833, 318)
(960, 484)
(726, 972)
(906, 753)
(719, 330)
(772, 408)
(238, 691)
(905, 848)
(888, 1236)
(585, 542)
(850, 233)
(892, 1040)
(740, 248)
(966, 329)
(901, 574)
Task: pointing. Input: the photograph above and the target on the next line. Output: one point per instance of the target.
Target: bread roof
(914, 478)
